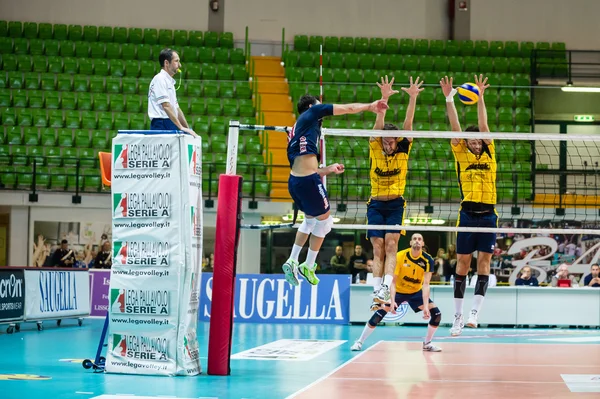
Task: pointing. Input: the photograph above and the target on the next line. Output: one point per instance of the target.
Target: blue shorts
(467, 243)
(414, 300)
(309, 194)
(162, 124)
(389, 213)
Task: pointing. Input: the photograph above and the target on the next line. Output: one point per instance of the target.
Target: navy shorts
(162, 124)
(467, 243)
(414, 300)
(388, 213)
(309, 194)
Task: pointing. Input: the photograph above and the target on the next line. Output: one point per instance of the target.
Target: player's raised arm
(481, 110)
(386, 92)
(375, 107)
(413, 91)
(449, 93)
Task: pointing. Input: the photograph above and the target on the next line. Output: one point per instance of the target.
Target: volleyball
(468, 93)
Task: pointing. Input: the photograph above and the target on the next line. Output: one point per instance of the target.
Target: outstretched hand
(446, 86)
(415, 88)
(386, 88)
(378, 106)
(481, 84)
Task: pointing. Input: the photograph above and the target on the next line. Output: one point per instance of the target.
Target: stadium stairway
(278, 111)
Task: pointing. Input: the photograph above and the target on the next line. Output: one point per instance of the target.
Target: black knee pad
(482, 284)
(460, 285)
(436, 317)
(377, 317)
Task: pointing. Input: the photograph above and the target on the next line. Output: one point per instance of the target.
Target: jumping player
(476, 170)
(305, 184)
(389, 165)
(414, 268)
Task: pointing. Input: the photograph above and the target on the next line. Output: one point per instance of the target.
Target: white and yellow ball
(468, 93)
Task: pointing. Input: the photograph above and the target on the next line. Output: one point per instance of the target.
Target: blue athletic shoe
(290, 269)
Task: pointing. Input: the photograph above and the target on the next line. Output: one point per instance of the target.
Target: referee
(163, 108)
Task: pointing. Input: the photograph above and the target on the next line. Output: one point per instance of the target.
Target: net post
(232, 147)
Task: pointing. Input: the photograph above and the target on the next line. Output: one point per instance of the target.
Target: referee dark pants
(162, 124)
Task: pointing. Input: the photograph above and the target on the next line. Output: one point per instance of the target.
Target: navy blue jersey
(305, 135)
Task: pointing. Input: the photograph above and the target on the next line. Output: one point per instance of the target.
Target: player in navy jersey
(305, 184)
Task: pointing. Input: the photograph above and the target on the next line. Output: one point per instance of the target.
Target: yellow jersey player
(412, 275)
(476, 172)
(389, 165)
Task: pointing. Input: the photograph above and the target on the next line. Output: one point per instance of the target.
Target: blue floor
(40, 352)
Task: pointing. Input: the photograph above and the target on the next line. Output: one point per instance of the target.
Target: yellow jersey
(476, 174)
(388, 172)
(411, 271)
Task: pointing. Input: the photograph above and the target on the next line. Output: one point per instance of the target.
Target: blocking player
(414, 268)
(305, 184)
(389, 165)
(475, 161)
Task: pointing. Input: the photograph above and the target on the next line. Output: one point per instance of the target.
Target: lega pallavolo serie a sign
(141, 253)
(142, 156)
(139, 302)
(141, 205)
(140, 347)
(195, 159)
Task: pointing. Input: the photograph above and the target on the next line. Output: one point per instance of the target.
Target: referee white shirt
(162, 90)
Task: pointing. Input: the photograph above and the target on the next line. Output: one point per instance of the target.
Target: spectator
(370, 266)
(440, 259)
(63, 256)
(593, 279)
(526, 278)
(104, 258)
(562, 273)
(358, 264)
(338, 262)
(80, 260)
(450, 264)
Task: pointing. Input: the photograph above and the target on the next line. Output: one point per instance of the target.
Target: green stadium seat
(130, 85)
(131, 51)
(113, 50)
(68, 101)
(24, 63)
(180, 38)
(147, 69)
(211, 39)
(346, 44)
(467, 48)
(82, 49)
(5, 99)
(120, 35)
(90, 33)
(150, 36)
(165, 37)
(36, 47)
(314, 43)
(15, 29)
(136, 36)
(482, 48)
(511, 49)
(19, 155)
(376, 45)
(3, 29)
(45, 31)
(331, 44)
(421, 47)
(55, 64)
(117, 67)
(101, 67)
(64, 82)
(15, 80)
(51, 48)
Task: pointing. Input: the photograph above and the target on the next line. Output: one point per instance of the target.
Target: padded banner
(227, 237)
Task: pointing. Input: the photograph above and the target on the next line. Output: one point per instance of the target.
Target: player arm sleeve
(319, 111)
(161, 93)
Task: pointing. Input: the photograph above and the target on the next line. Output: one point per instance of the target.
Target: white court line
(480, 364)
(395, 381)
(84, 393)
(323, 377)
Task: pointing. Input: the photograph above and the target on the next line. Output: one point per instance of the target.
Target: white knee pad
(307, 225)
(323, 227)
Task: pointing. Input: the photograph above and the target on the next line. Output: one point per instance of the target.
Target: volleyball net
(540, 181)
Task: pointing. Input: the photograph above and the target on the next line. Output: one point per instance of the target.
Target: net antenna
(528, 195)
(234, 131)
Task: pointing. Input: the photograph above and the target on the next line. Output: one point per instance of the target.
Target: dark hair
(390, 126)
(472, 129)
(305, 102)
(165, 55)
(64, 242)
